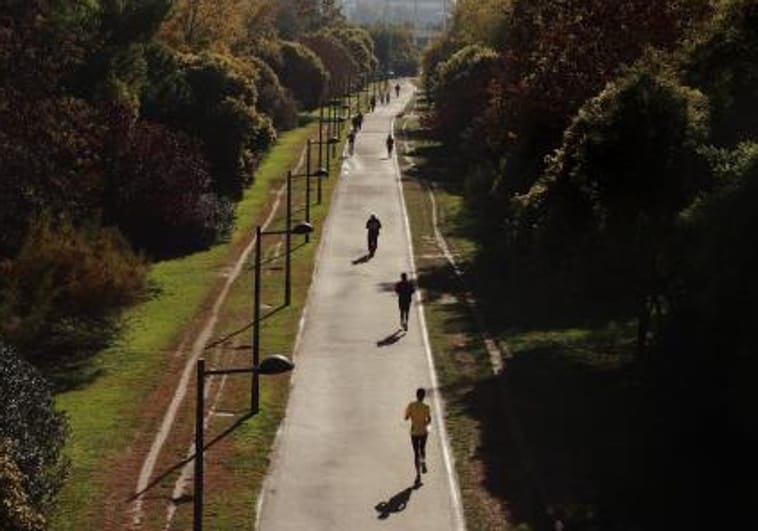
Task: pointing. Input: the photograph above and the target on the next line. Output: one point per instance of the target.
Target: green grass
(101, 410)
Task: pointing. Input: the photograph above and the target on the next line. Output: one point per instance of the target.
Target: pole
(254, 394)
(308, 186)
(197, 514)
(288, 245)
(320, 135)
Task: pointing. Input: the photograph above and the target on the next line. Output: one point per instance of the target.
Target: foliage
(32, 435)
(628, 165)
(218, 25)
(51, 155)
(461, 90)
(359, 44)
(160, 194)
(274, 100)
(723, 62)
(16, 512)
(395, 49)
(58, 296)
(301, 71)
(336, 58)
(40, 42)
(213, 97)
(482, 21)
(298, 17)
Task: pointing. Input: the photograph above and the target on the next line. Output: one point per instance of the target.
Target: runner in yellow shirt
(420, 417)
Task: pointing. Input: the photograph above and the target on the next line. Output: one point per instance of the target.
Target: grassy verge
(103, 401)
(558, 435)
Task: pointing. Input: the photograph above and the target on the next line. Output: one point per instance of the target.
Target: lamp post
(274, 364)
(300, 228)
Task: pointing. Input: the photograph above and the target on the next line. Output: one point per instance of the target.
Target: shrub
(32, 435)
(58, 297)
(160, 193)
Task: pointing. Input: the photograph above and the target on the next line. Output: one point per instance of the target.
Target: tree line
(128, 130)
(611, 154)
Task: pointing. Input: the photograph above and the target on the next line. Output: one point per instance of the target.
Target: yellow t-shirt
(420, 416)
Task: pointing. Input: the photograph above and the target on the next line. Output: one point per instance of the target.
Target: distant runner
(397, 90)
(404, 290)
(420, 417)
(373, 226)
(390, 145)
(351, 141)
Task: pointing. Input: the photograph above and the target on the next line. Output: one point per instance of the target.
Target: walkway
(343, 459)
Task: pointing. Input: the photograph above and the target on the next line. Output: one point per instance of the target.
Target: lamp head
(275, 364)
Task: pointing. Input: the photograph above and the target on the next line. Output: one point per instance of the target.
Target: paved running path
(343, 460)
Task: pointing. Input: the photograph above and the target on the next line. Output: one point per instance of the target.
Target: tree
(32, 434)
(461, 90)
(213, 98)
(301, 71)
(722, 60)
(337, 60)
(631, 156)
(395, 49)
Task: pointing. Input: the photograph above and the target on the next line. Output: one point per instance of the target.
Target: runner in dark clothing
(373, 226)
(397, 90)
(373, 103)
(351, 141)
(390, 145)
(359, 118)
(404, 290)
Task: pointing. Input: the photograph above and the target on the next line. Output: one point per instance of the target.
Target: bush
(160, 193)
(32, 435)
(59, 296)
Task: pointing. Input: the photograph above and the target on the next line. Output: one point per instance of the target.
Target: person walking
(397, 90)
(390, 145)
(359, 118)
(373, 226)
(373, 103)
(404, 290)
(420, 416)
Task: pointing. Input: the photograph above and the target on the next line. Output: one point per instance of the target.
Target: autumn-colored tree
(336, 58)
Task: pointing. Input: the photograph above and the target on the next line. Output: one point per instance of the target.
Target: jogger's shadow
(362, 259)
(391, 339)
(395, 504)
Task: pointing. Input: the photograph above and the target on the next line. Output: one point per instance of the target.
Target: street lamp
(301, 228)
(274, 364)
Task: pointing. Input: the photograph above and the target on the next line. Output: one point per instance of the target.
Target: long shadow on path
(396, 503)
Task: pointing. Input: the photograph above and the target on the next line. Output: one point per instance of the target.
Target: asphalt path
(343, 457)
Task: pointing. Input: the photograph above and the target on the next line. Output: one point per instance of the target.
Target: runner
(397, 90)
(390, 145)
(351, 141)
(420, 417)
(373, 226)
(404, 290)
